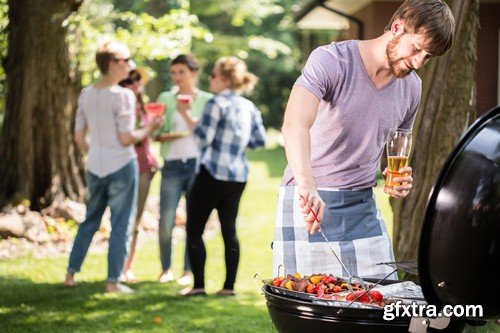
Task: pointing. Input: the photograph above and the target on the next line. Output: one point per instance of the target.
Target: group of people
(203, 138)
(350, 94)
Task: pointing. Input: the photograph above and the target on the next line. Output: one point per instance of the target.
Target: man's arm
(301, 111)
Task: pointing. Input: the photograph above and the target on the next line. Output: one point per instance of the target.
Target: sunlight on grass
(33, 300)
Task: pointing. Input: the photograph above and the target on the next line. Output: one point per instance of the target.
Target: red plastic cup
(184, 98)
(155, 109)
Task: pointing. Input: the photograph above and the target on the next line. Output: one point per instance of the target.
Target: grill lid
(459, 254)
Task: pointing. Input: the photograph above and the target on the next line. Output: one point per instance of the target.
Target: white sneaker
(185, 280)
(128, 277)
(167, 276)
(119, 288)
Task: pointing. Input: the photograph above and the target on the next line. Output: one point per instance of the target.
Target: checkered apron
(351, 222)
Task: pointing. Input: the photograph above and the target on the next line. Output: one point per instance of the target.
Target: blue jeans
(177, 176)
(118, 191)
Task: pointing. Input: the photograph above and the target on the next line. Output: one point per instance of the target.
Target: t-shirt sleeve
(258, 131)
(125, 114)
(318, 72)
(207, 126)
(409, 119)
(80, 120)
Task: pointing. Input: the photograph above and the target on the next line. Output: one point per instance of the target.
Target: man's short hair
(108, 52)
(432, 18)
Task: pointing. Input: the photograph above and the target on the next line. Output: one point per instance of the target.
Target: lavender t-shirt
(354, 117)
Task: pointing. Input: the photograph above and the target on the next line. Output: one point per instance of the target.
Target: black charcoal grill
(459, 253)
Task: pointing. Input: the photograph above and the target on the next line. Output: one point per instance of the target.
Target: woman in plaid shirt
(229, 124)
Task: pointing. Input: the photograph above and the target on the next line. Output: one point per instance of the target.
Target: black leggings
(207, 194)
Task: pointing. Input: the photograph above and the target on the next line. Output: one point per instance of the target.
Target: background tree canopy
(39, 162)
(261, 32)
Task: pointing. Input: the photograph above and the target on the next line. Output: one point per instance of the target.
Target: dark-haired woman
(180, 152)
(147, 164)
(229, 124)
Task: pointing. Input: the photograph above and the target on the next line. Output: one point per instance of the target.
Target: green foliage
(148, 37)
(262, 33)
(4, 22)
(20, 198)
(238, 12)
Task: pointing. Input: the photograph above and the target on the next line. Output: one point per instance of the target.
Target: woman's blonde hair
(235, 70)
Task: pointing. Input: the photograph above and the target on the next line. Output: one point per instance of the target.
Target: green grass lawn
(33, 300)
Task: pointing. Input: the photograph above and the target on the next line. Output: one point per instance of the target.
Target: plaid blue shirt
(228, 125)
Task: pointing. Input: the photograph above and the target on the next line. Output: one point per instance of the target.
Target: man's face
(120, 65)
(405, 53)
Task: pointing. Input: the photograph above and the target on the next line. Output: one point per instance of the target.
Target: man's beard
(391, 52)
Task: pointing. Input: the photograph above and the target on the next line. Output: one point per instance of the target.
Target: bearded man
(335, 127)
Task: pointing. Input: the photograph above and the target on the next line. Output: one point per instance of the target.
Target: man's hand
(310, 202)
(406, 181)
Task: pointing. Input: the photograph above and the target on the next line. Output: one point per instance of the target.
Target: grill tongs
(352, 278)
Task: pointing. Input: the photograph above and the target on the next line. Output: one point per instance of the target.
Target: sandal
(193, 292)
(225, 292)
(118, 288)
(166, 276)
(128, 277)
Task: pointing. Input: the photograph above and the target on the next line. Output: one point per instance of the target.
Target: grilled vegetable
(315, 279)
(277, 281)
(326, 286)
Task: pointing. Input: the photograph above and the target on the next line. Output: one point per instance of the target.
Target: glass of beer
(398, 150)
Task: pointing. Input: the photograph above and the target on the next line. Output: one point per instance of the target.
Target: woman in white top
(180, 152)
(107, 112)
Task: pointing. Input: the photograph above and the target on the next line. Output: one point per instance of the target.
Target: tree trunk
(39, 160)
(446, 109)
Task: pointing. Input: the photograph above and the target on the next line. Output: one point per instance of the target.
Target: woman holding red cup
(184, 103)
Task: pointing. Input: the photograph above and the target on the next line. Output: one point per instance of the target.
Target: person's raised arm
(185, 111)
(301, 111)
(207, 126)
(125, 105)
(138, 135)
